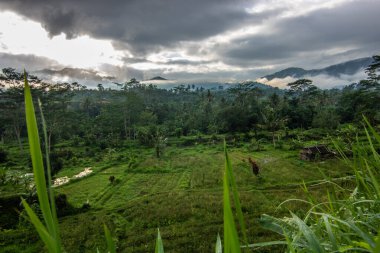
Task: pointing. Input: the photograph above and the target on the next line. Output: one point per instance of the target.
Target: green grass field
(181, 193)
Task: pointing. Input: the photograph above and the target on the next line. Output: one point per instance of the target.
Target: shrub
(296, 144)
(279, 144)
(3, 175)
(56, 163)
(339, 224)
(3, 155)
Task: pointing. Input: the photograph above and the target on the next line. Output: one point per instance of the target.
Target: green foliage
(3, 175)
(326, 119)
(218, 245)
(3, 155)
(300, 85)
(180, 187)
(110, 243)
(49, 232)
(231, 240)
(348, 224)
(159, 245)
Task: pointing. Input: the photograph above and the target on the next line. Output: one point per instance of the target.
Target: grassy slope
(182, 194)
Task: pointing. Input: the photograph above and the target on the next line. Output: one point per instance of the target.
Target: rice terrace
(174, 126)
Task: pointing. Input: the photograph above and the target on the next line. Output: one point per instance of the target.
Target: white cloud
(23, 36)
(321, 81)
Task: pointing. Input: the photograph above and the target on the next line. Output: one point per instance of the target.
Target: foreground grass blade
(43, 233)
(51, 192)
(235, 193)
(110, 243)
(377, 246)
(39, 177)
(313, 243)
(159, 245)
(375, 155)
(218, 245)
(330, 233)
(231, 239)
(373, 131)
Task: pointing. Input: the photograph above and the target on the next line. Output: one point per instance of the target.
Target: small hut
(315, 152)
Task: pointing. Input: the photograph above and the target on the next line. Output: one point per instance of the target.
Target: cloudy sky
(182, 39)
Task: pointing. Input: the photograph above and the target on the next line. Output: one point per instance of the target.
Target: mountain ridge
(345, 68)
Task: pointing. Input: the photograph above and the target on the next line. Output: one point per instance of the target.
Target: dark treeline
(137, 111)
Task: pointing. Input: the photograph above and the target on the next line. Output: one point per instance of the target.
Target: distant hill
(345, 68)
(157, 78)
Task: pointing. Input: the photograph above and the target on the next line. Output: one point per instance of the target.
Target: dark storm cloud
(129, 60)
(314, 39)
(140, 26)
(187, 62)
(27, 61)
(122, 73)
(352, 25)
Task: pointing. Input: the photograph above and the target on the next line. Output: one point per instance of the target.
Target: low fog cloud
(322, 81)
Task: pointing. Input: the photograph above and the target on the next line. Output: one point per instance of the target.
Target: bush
(76, 140)
(178, 132)
(3, 175)
(188, 142)
(296, 144)
(3, 155)
(279, 144)
(346, 221)
(103, 145)
(256, 145)
(56, 163)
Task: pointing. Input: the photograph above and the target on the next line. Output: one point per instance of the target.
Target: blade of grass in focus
(48, 234)
(43, 233)
(159, 245)
(110, 243)
(314, 244)
(235, 193)
(48, 165)
(231, 239)
(218, 245)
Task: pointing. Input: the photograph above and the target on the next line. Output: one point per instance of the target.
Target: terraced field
(181, 193)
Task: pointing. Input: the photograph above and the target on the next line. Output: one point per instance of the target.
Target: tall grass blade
(330, 234)
(377, 246)
(264, 244)
(274, 224)
(313, 243)
(159, 245)
(231, 239)
(373, 180)
(110, 243)
(218, 245)
(48, 165)
(373, 131)
(375, 154)
(39, 174)
(235, 193)
(366, 237)
(331, 200)
(41, 230)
